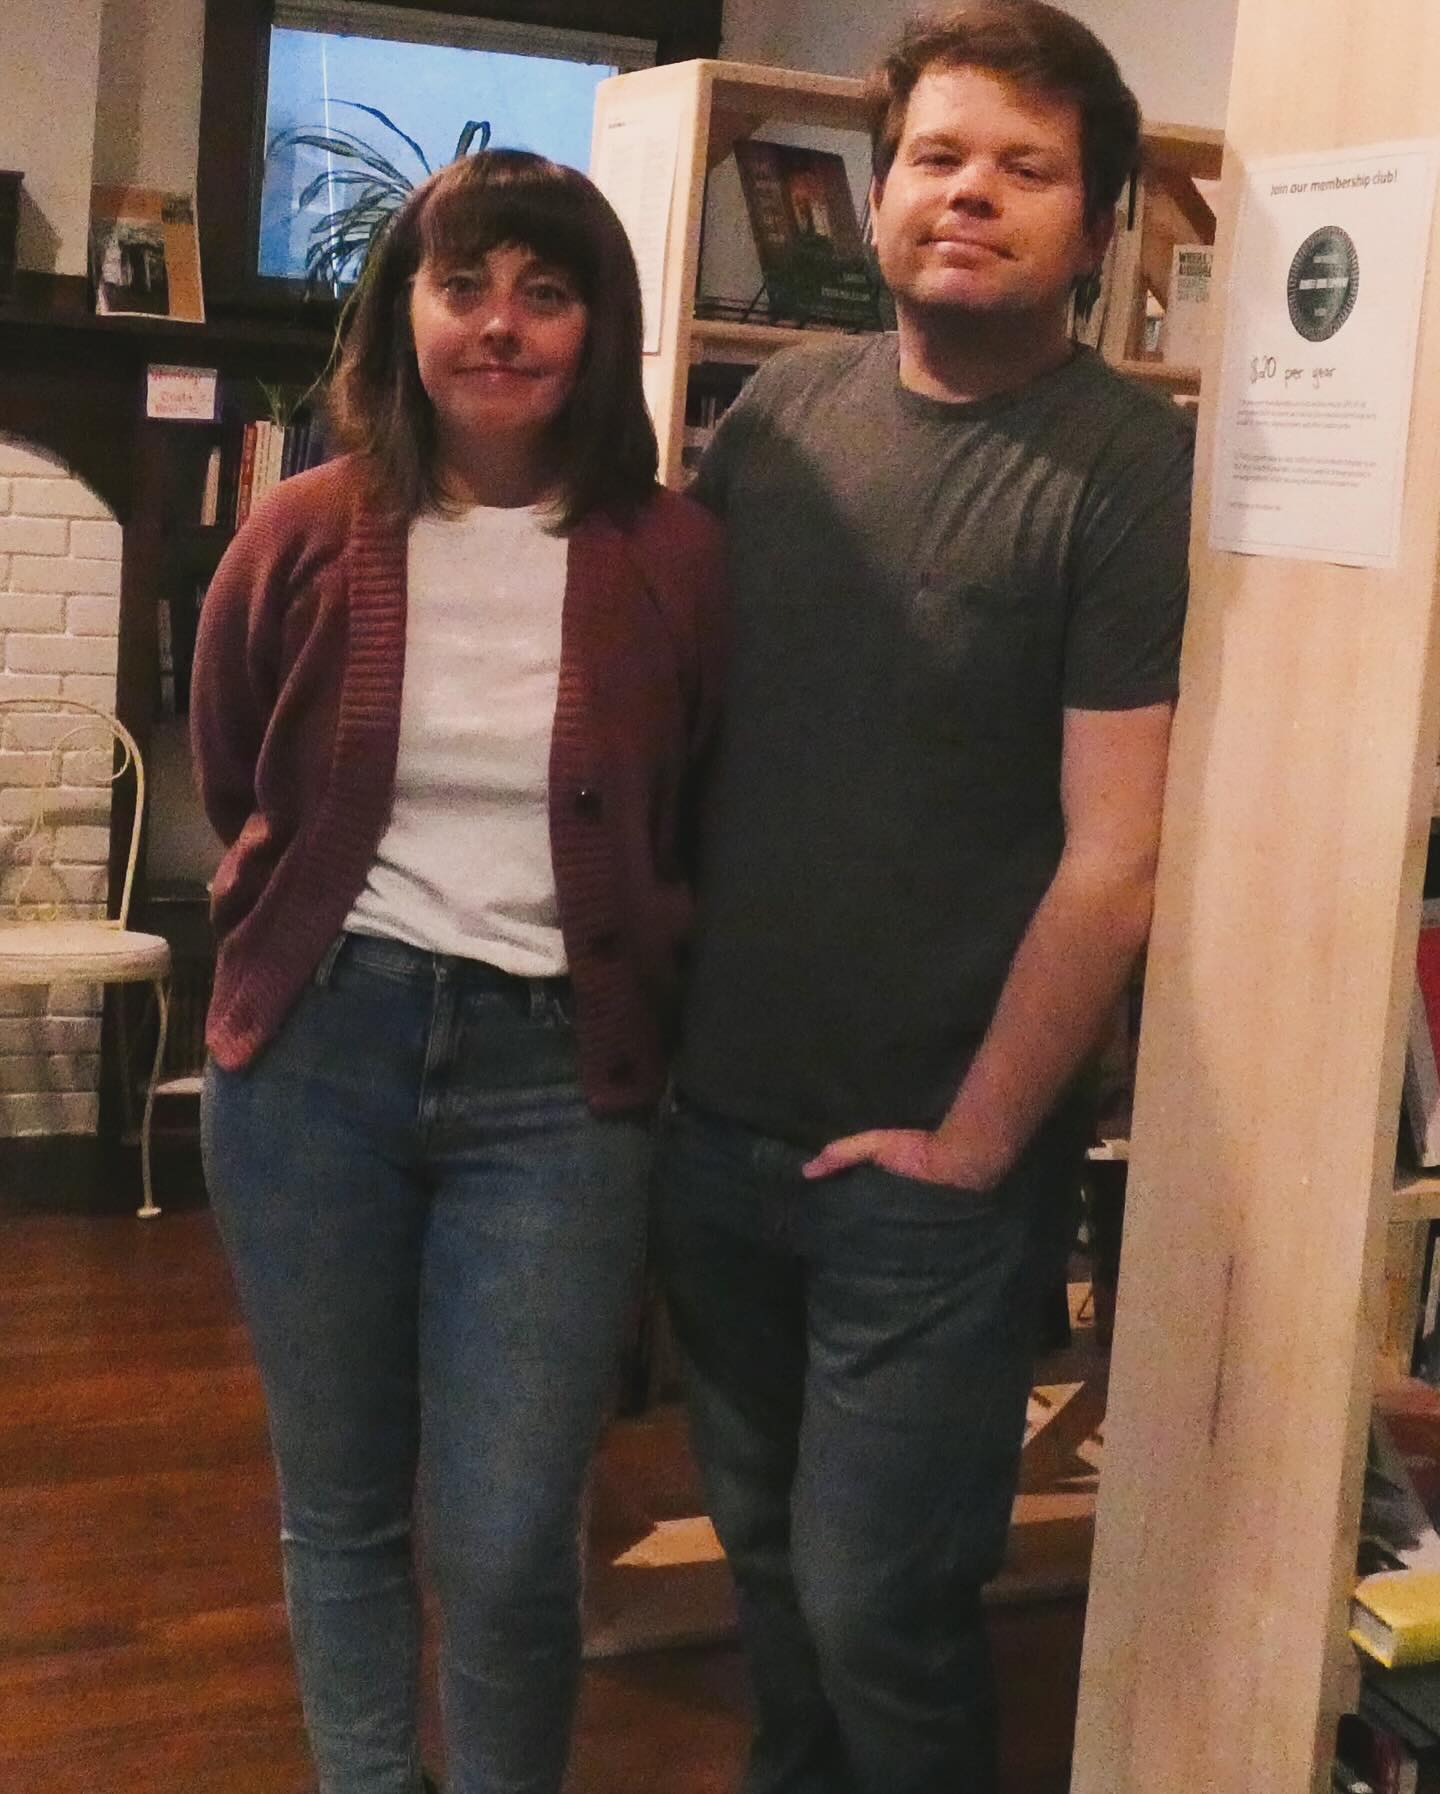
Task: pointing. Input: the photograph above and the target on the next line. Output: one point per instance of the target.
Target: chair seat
(80, 952)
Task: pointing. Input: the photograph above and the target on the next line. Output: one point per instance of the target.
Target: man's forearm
(1070, 968)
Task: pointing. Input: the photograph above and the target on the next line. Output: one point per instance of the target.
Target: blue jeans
(859, 1354)
(434, 1243)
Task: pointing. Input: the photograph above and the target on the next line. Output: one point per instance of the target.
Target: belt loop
(539, 993)
(327, 961)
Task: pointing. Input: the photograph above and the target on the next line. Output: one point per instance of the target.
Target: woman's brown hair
(604, 442)
(1039, 47)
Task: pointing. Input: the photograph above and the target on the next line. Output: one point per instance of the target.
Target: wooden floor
(142, 1643)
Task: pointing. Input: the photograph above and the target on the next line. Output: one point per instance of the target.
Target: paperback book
(802, 217)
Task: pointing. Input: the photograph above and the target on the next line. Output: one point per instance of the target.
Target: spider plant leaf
(467, 136)
(390, 125)
(328, 180)
(344, 146)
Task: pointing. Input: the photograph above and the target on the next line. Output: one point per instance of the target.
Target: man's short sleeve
(1129, 576)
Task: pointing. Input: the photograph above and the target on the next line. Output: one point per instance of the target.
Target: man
(959, 562)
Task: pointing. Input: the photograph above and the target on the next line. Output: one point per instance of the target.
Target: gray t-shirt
(920, 589)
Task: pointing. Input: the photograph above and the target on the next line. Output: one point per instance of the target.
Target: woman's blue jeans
(435, 1243)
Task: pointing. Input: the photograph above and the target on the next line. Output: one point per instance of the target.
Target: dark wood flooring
(142, 1642)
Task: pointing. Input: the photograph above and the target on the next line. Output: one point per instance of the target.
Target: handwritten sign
(1317, 377)
(180, 394)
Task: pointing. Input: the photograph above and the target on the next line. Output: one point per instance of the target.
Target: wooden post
(1279, 980)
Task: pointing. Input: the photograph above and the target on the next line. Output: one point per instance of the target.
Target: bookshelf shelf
(1161, 373)
(715, 338)
(1417, 1196)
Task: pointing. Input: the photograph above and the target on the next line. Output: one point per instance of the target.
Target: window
(235, 93)
(333, 68)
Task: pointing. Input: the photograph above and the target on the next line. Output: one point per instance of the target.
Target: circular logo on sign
(1323, 281)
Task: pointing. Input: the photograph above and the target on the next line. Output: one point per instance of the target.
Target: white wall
(94, 90)
(49, 70)
(1176, 57)
(147, 121)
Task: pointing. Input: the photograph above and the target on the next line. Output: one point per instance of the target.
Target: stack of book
(1391, 1744)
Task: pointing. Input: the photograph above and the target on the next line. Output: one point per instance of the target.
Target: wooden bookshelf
(692, 114)
(1262, 1194)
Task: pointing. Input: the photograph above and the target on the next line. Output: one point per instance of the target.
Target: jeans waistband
(420, 965)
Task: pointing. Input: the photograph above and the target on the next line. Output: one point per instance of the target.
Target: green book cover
(802, 217)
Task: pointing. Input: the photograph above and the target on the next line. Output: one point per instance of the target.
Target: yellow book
(1395, 1616)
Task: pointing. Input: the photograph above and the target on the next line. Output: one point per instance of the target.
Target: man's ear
(1098, 236)
(872, 200)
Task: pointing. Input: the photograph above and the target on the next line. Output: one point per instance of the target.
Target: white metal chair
(46, 936)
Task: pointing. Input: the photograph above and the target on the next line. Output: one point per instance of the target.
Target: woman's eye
(459, 286)
(550, 295)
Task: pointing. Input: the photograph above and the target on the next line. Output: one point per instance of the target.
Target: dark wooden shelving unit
(74, 383)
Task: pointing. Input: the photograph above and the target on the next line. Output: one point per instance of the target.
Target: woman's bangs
(465, 221)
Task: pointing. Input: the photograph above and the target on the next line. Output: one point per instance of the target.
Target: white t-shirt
(464, 864)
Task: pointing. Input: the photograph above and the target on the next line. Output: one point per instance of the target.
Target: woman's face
(499, 345)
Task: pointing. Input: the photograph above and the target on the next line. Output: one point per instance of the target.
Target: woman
(450, 694)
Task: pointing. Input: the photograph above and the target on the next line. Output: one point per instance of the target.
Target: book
(1182, 336)
(165, 656)
(1395, 1616)
(1396, 1531)
(245, 479)
(802, 217)
(1422, 1047)
(210, 493)
(145, 254)
(1370, 1759)
(1409, 1407)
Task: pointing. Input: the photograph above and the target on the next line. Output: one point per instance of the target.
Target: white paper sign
(176, 393)
(1318, 372)
(634, 167)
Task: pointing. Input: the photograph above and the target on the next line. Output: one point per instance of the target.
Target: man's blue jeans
(435, 1243)
(859, 1353)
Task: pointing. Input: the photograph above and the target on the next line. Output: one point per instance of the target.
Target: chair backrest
(61, 763)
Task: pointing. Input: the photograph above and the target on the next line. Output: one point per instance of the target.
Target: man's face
(983, 210)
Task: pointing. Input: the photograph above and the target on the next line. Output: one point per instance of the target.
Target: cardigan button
(589, 803)
(622, 1071)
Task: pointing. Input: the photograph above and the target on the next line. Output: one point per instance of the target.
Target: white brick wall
(59, 624)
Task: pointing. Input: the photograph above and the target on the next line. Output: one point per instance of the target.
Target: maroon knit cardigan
(295, 720)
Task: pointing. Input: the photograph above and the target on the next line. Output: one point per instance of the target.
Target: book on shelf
(1372, 1759)
(245, 477)
(165, 655)
(802, 217)
(145, 254)
(711, 390)
(1395, 1616)
(1396, 1530)
(1182, 334)
(1422, 1047)
(210, 492)
(1409, 1408)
